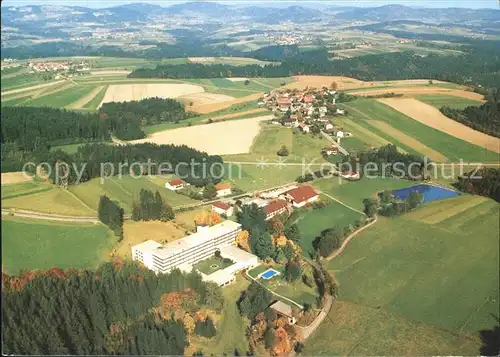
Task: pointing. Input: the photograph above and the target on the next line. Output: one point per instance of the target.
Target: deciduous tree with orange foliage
(242, 240)
(207, 218)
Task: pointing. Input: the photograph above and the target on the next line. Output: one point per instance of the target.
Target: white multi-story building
(188, 250)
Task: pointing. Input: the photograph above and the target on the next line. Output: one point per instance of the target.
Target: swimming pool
(268, 274)
(429, 192)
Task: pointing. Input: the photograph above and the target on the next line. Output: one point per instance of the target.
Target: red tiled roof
(221, 205)
(302, 193)
(222, 186)
(308, 98)
(176, 182)
(274, 206)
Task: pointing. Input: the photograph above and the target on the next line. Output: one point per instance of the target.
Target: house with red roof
(275, 208)
(223, 189)
(302, 196)
(222, 208)
(175, 184)
(308, 98)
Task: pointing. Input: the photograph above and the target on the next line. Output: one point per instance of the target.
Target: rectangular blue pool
(429, 192)
(268, 274)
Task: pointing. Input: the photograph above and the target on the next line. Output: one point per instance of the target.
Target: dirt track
(430, 116)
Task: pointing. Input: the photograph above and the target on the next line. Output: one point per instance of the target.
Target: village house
(285, 310)
(330, 151)
(175, 184)
(275, 208)
(340, 111)
(302, 195)
(284, 103)
(222, 208)
(304, 127)
(350, 176)
(328, 127)
(308, 99)
(223, 189)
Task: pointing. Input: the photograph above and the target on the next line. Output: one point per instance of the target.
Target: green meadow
(28, 244)
(365, 110)
(441, 100)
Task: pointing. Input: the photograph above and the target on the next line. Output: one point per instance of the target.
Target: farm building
(350, 175)
(223, 189)
(302, 195)
(275, 208)
(222, 208)
(175, 184)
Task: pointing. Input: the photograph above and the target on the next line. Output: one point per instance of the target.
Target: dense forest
(484, 118)
(478, 64)
(101, 160)
(116, 309)
(31, 128)
(126, 118)
(484, 182)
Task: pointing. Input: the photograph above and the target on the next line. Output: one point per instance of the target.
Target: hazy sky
(475, 4)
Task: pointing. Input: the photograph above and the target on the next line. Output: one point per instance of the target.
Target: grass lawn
(30, 244)
(296, 291)
(357, 330)
(21, 80)
(94, 103)
(235, 108)
(24, 188)
(365, 110)
(311, 222)
(61, 98)
(212, 264)
(125, 190)
(354, 192)
(437, 265)
(56, 201)
(440, 100)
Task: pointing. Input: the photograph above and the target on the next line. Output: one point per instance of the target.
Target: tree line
(484, 182)
(101, 160)
(478, 64)
(387, 204)
(106, 311)
(151, 207)
(111, 214)
(125, 119)
(386, 161)
(22, 125)
(484, 118)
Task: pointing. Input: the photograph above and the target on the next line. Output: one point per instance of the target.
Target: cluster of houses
(274, 202)
(176, 184)
(304, 109)
(51, 66)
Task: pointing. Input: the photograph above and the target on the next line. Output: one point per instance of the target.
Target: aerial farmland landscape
(252, 178)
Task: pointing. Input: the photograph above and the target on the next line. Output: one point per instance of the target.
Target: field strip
(238, 136)
(25, 89)
(439, 213)
(234, 115)
(262, 84)
(138, 91)
(206, 98)
(430, 116)
(208, 108)
(14, 177)
(409, 141)
(369, 136)
(108, 72)
(420, 90)
(84, 100)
